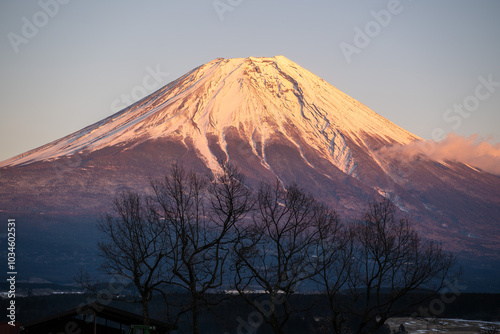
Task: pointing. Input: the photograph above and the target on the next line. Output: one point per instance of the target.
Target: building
(92, 318)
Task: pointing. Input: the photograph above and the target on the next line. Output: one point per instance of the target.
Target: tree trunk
(275, 325)
(145, 311)
(196, 313)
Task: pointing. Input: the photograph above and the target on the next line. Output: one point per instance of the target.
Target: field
(453, 326)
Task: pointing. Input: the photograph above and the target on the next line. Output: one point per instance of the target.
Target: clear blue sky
(84, 56)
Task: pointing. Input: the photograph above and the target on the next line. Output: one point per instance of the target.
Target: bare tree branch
(133, 249)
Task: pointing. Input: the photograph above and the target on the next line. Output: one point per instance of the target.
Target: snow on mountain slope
(272, 119)
(257, 96)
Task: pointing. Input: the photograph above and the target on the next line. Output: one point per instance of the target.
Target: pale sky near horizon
(67, 64)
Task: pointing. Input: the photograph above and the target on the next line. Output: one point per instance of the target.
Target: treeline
(200, 234)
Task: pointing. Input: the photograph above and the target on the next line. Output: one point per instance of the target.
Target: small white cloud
(472, 150)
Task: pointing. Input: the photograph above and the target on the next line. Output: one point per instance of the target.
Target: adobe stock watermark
(437, 306)
(224, 6)
(66, 163)
(31, 26)
(256, 319)
(115, 288)
(460, 111)
(454, 116)
(153, 80)
(372, 29)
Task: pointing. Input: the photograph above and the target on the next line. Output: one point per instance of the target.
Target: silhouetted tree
(277, 250)
(388, 260)
(134, 249)
(200, 216)
(336, 264)
(185, 234)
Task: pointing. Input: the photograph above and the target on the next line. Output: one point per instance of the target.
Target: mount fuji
(273, 119)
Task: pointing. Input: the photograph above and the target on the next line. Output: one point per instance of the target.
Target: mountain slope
(257, 96)
(273, 119)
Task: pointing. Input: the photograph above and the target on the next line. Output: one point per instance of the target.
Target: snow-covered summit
(273, 120)
(258, 97)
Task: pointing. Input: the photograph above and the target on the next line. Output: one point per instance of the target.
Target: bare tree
(200, 216)
(277, 251)
(387, 262)
(185, 234)
(133, 249)
(336, 265)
